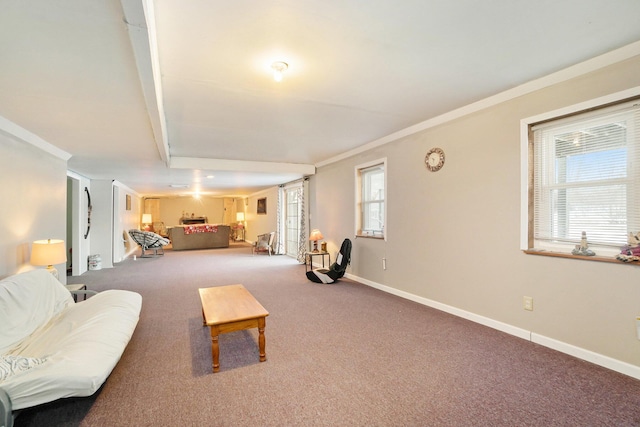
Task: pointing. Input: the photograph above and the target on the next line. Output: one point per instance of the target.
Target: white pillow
(10, 365)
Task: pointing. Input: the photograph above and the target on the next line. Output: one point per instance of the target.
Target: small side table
(76, 287)
(311, 255)
(239, 234)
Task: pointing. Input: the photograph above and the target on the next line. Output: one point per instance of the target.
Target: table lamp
(146, 219)
(314, 237)
(240, 218)
(49, 252)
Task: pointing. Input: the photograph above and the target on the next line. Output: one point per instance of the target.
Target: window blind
(586, 178)
(373, 199)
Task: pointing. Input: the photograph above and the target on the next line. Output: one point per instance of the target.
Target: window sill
(581, 257)
(369, 236)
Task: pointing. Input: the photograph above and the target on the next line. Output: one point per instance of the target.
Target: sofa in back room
(199, 236)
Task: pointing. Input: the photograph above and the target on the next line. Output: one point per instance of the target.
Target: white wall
(33, 194)
(124, 220)
(171, 209)
(101, 233)
(213, 208)
(453, 236)
(260, 224)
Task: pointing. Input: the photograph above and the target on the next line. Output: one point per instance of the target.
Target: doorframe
(295, 186)
(76, 212)
(303, 218)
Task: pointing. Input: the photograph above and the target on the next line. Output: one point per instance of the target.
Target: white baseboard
(588, 355)
(131, 253)
(580, 353)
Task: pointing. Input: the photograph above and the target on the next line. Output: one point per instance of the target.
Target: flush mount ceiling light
(179, 185)
(278, 68)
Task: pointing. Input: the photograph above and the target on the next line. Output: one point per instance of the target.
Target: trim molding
(126, 188)
(578, 352)
(242, 165)
(588, 355)
(593, 64)
(15, 131)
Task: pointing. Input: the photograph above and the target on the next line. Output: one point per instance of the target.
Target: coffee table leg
(215, 349)
(261, 340)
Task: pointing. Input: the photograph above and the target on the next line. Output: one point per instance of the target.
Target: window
(370, 199)
(584, 176)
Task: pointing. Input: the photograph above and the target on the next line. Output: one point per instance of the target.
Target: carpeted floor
(337, 355)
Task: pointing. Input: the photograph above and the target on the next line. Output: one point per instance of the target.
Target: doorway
(293, 215)
(73, 243)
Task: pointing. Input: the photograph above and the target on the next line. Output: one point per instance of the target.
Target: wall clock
(434, 160)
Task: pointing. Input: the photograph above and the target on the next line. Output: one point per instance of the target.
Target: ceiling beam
(240, 166)
(140, 20)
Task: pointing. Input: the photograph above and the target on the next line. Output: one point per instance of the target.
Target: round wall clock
(434, 159)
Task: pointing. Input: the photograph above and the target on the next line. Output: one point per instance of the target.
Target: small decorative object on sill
(630, 252)
(583, 247)
(627, 258)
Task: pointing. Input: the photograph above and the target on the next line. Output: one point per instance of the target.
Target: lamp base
(54, 271)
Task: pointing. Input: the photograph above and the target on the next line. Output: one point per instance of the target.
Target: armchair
(159, 228)
(264, 243)
(149, 241)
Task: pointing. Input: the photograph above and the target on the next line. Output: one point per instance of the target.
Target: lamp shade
(240, 216)
(48, 252)
(316, 235)
(146, 219)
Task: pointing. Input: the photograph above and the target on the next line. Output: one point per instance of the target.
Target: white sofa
(52, 347)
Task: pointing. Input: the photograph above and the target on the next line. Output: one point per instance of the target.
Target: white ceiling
(188, 92)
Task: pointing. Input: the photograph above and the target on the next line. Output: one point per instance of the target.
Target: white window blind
(586, 177)
(371, 196)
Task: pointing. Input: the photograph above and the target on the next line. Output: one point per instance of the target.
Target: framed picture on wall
(128, 203)
(262, 206)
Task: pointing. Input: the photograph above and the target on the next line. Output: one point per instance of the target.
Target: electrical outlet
(384, 263)
(527, 303)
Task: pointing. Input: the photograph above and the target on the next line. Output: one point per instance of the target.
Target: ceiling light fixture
(278, 68)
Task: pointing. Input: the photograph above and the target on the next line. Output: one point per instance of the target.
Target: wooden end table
(228, 309)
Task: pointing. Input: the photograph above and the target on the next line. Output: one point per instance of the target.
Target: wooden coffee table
(229, 309)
